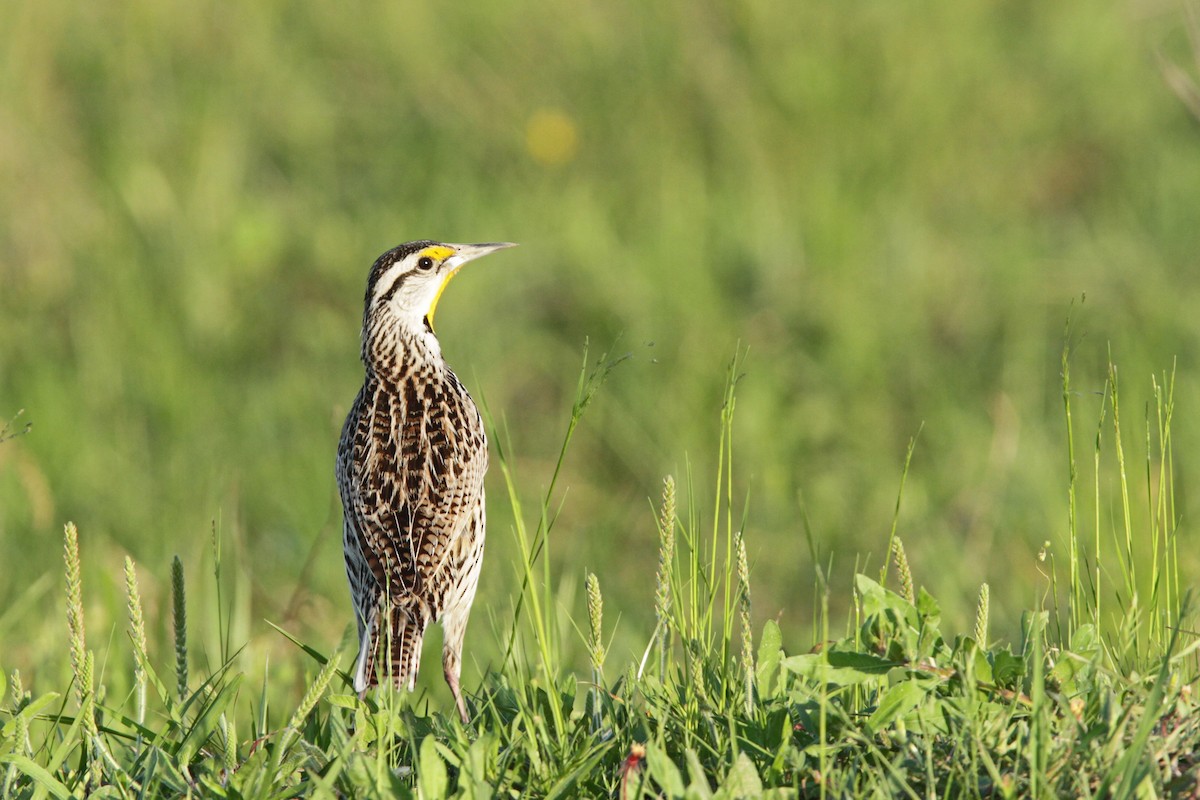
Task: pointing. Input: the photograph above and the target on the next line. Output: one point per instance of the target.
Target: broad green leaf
(1084, 641)
(769, 655)
(473, 777)
(1073, 668)
(839, 668)
(983, 667)
(742, 780)
(664, 772)
(1007, 669)
(343, 700)
(928, 607)
(862, 662)
(699, 787)
(877, 599)
(431, 777)
(896, 702)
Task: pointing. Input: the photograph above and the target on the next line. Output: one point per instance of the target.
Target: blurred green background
(893, 206)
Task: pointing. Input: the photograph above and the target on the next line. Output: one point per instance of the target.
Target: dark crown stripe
(396, 284)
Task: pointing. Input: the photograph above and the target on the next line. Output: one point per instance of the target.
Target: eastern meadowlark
(410, 469)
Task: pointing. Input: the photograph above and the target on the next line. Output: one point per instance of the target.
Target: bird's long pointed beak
(462, 254)
(469, 252)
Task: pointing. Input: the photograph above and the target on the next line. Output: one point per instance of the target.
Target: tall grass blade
(747, 664)
(137, 634)
(179, 618)
(665, 575)
(908, 454)
(308, 702)
(1078, 603)
(901, 561)
(75, 610)
(981, 616)
(1135, 763)
(1127, 560)
(596, 649)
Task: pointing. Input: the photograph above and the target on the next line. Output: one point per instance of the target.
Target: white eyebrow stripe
(383, 295)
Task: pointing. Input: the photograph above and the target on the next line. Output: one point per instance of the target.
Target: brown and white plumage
(410, 473)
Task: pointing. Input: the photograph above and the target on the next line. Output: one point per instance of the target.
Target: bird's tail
(393, 649)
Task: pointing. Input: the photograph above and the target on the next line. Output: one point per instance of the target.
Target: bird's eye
(425, 264)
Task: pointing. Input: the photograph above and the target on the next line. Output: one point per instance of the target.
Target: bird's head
(407, 281)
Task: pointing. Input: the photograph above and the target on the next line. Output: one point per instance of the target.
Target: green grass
(890, 206)
(1086, 703)
(893, 207)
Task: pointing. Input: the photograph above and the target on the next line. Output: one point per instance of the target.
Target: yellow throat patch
(438, 253)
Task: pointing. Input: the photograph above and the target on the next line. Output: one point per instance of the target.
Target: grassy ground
(1087, 703)
(893, 208)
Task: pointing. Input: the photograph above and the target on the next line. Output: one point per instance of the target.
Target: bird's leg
(454, 625)
(451, 669)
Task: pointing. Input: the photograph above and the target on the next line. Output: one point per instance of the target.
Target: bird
(410, 467)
